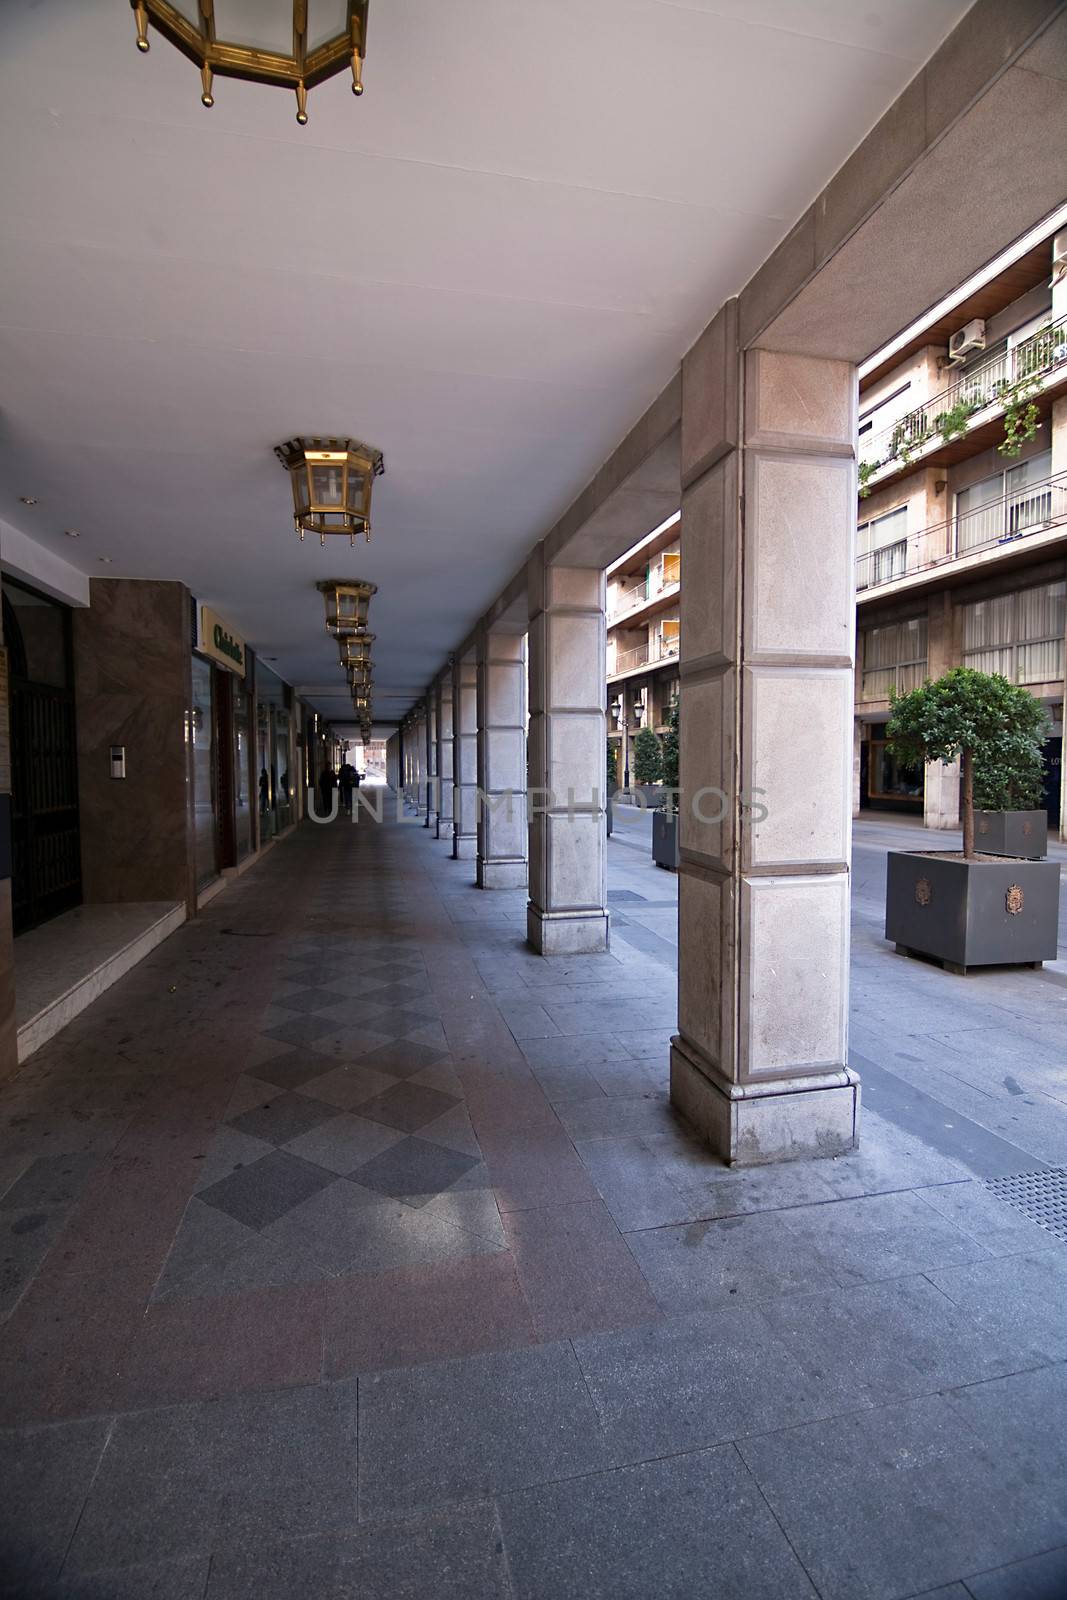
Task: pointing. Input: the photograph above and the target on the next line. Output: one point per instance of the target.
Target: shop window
(894, 657)
(201, 732)
(889, 778)
(1018, 635)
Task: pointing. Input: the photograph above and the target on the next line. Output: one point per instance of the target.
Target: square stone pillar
(767, 630)
(419, 774)
(567, 912)
(431, 759)
(501, 760)
(941, 779)
(443, 696)
(465, 758)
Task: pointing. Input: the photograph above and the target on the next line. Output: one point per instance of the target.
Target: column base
(464, 846)
(444, 827)
(790, 1119)
(566, 933)
(501, 874)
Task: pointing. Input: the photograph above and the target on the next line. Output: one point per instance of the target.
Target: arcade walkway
(352, 1250)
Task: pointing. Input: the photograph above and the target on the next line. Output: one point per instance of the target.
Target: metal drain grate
(1041, 1196)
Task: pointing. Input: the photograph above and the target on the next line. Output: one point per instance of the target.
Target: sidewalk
(352, 1249)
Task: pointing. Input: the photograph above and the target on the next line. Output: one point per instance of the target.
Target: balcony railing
(1018, 514)
(947, 415)
(650, 654)
(661, 578)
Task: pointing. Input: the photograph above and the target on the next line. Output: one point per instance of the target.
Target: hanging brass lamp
(355, 649)
(332, 481)
(347, 601)
(293, 44)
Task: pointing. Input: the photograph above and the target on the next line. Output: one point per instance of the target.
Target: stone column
(431, 758)
(419, 753)
(501, 760)
(941, 785)
(768, 612)
(465, 758)
(443, 696)
(567, 913)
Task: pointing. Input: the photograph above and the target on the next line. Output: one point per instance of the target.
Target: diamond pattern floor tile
(282, 1118)
(264, 1192)
(306, 1000)
(348, 1087)
(344, 1143)
(408, 1106)
(413, 1169)
(402, 1058)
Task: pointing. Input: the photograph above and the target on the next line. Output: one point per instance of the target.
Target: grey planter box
(1012, 833)
(665, 839)
(972, 913)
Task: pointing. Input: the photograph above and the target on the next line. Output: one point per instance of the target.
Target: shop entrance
(45, 845)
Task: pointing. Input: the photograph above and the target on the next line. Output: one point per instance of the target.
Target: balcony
(976, 397)
(660, 583)
(1020, 514)
(650, 654)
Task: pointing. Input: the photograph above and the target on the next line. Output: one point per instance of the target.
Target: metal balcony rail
(659, 579)
(948, 413)
(1017, 514)
(659, 649)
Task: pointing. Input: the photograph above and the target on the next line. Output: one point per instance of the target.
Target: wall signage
(215, 638)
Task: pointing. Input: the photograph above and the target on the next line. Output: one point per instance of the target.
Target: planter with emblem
(980, 906)
(1012, 833)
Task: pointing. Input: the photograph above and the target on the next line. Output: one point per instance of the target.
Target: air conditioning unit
(1059, 259)
(970, 337)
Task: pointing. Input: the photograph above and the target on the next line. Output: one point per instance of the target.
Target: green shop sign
(215, 638)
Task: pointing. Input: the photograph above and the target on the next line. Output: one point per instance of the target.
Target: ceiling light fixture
(355, 649)
(347, 601)
(72, 533)
(297, 43)
(332, 481)
(28, 499)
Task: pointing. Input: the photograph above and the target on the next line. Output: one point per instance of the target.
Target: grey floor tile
(206, 1238)
(414, 1168)
(347, 1087)
(286, 1116)
(344, 1143)
(229, 1150)
(401, 1058)
(348, 1229)
(258, 1195)
(1021, 1417)
(177, 1482)
(315, 999)
(185, 1579)
(897, 1500)
(886, 1341)
(1040, 1577)
(291, 1070)
(675, 1530)
(701, 1265)
(25, 1239)
(408, 1106)
(461, 1430)
(879, 1236)
(1019, 1299)
(997, 1227)
(300, 1030)
(454, 1553)
(611, 1116)
(695, 1381)
(45, 1475)
(49, 1181)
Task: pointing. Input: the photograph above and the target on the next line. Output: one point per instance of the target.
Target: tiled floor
(364, 1257)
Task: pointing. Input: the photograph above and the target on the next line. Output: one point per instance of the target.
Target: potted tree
(1009, 819)
(665, 820)
(971, 908)
(611, 774)
(647, 764)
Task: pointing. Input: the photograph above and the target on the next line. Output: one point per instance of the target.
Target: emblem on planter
(1028, 827)
(923, 892)
(1014, 900)
(983, 825)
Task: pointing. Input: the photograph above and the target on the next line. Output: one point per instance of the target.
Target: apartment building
(962, 530)
(643, 627)
(961, 539)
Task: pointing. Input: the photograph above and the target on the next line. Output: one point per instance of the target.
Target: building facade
(643, 621)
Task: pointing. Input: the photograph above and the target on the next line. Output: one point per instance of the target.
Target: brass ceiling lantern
(332, 481)
(355, 649)
(294, 44)
(360, 679)
(347, 601)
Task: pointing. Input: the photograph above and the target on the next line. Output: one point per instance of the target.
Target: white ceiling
(488, 267)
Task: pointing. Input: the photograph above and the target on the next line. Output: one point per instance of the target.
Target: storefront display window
(201, 735)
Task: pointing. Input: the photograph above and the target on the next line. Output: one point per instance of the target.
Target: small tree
(648, 758)
(670, 749)
(613, 766)
(995, 728)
